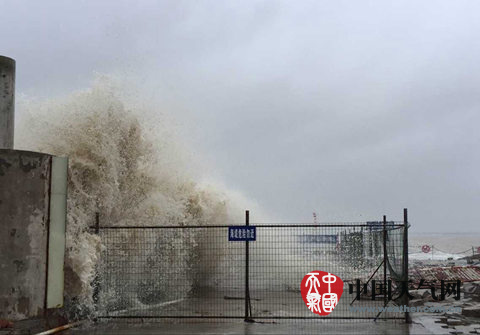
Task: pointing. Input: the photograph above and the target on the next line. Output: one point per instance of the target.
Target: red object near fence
(426, 249)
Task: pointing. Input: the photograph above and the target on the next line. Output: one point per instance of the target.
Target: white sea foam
(130, 168)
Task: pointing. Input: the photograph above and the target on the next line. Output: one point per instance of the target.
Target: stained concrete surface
(24, 212)
(7, 102)
(240, 327)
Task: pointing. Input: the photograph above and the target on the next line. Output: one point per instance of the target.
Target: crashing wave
(130, 172)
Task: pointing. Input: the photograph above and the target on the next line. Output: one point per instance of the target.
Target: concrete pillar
(7, 102)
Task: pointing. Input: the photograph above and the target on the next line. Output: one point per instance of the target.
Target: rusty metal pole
(7, 102)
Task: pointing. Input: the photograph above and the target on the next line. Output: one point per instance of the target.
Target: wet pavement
(240, 327)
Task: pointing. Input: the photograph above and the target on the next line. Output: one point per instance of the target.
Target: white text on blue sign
(242, 233)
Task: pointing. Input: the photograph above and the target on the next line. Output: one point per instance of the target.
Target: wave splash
(120, 165)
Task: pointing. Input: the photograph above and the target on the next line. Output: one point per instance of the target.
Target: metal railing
(196, 272)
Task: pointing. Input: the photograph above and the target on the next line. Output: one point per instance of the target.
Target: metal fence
(196, 272)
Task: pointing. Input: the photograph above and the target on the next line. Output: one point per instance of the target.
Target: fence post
(96, 281)
(405, 262)
(97, 223)
(385, 297)
(247, 275)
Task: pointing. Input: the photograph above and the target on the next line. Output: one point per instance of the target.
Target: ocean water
(444, 245)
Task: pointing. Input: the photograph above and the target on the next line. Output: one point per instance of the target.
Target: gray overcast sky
(353, 109)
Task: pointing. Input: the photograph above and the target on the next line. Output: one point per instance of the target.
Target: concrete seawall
(24, 215)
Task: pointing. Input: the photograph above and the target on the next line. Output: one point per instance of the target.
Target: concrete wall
(7, 102)
(24, 213)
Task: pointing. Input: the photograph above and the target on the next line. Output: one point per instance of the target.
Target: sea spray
(128, 171)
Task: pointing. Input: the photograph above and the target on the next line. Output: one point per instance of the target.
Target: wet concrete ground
(265, 304)
(240, 327)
